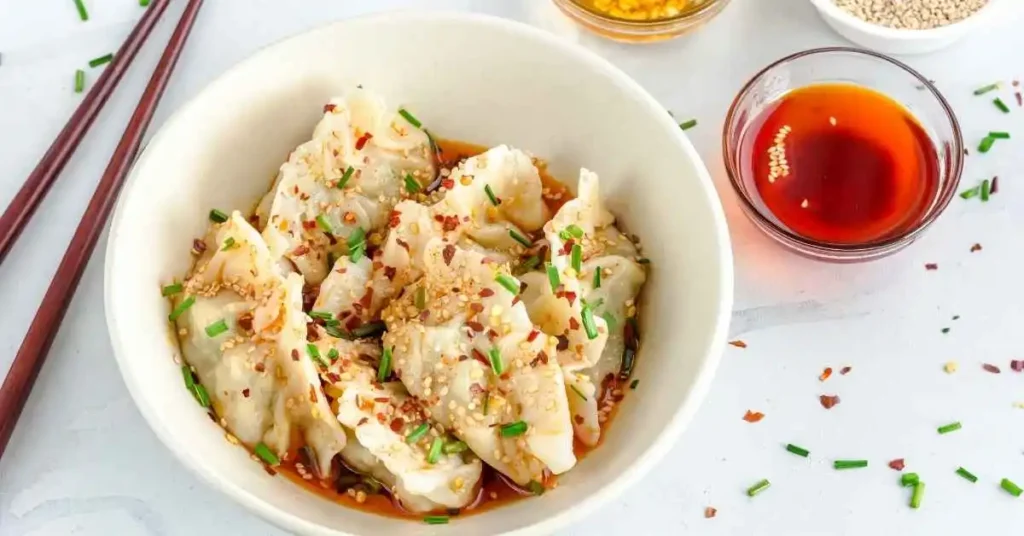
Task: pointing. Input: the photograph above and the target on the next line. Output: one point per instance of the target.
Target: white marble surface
(83, 461)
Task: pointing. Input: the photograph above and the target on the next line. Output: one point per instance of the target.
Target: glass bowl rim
(946, 192)
(687, 14)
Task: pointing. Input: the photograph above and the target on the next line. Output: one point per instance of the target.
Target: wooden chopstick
(43, 329)
(64, 145)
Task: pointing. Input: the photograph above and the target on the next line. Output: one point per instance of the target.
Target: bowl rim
(868, 249)
(830, 9)
(692, 13)
(653, 453)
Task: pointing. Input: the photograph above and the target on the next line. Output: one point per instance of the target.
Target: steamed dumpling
(245, 337)
(344, 181)
(465, 347)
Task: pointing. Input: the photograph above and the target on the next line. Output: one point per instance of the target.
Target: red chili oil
(843, 164)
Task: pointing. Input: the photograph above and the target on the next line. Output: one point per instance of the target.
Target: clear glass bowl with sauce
(628, 21)
(824, 209)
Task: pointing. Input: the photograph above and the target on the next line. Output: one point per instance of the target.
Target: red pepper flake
(829, 401)
(448, 253)
(1017, 365)
(931, 266)
(390, 272)
(309, 225)
(738, 344)
(295, 354)
(329, 108)
(394, 219)
(995, 185)
(447, 184)
(898, 464)
(363, 421)
(485, 293)
(710, 512)
(361, 142)
(578, 418)
(259, 367)
(477, 355)
(532, 336)
(975, 248)
(244, 322)
(991, 368)
(300, 250)
(396, 424)
(845, 370)
(402, 243)
(567, 247)
(450, 223)
(245, 392)
(475, 326)
(753, 416)
(825, 374)
(573, 323)
(476, 307)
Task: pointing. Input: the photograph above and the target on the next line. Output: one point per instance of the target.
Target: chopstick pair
(29, 359)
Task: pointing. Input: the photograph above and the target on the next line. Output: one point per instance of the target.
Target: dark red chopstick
(43, 329)
(49, 167)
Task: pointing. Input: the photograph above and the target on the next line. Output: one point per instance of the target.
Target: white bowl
(894, 41)
(469, 78)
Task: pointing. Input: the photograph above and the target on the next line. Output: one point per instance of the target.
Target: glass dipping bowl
(640, 31)
(848, 66)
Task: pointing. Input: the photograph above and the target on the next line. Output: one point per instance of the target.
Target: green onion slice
(410, 118)
(357, 238)
(436, 520)
(609, 318)
(216, 328)
(951, 427)
(999, 135)
(986, 190)
(966, 474)
(228, 244)
(332, 354)
(578, 392)
(528, 265)
(314, 354)
(985, 89)
(144, 3)
(190, 380)
(520, 238)
(535, 487)
(345, 177)
(915, 498)
(417, 433)
(633, 384)
(181, 308)
(986, 144)
(369, 329)
(597, 277)
(849, 464)
(79, 81)
(384, 369)
(356, 254)
(799, 451)
(217, 216)
(265, 454)
(411, 185)
(323, 224)
(574, 230)
(96, 62)
(514, 429)
(909, 479)
(82, 13)
(758, 488)
(577, 258)
(421, 298)
(202, 396)
(454, 447)
(171, 290)
(1001, 105)
(553, 276)
(490, 195)
(321, 315)
(435, 451)
(494, 355)
(687, 125)
(1010, 487)
(510, 283)
(588, 322)
(970, 192)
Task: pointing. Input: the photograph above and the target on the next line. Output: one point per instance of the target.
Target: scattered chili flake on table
(975, 248)
(829, 401)
(710, 512)
(845, 370)
(738, 344)
(1017, 365)
(825, 374)
(991, 368)
(931, 266)
(898, 464)
(753, 416)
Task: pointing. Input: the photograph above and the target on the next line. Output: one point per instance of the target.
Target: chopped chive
(435, 451)
(79, 81)
(514, 429)
(999, 135)
(915, 498)
(986, 144)
(985, 89)
(687, 125)
(436, 520)
(578, 392)
(417, 433)
(265, 454)
(384, 370)
(597, 277)
(528, 265)
(799, 451)
(368, 330)
(334, 331)
(216, 328)
(217, 216)
(986, 190)
(490, 195)
(314, 354)
(356, 239)
(171, 290)
(574, 230)
(849, 464)
(633, 384)
(356, 254)
(144, 3)
(323, 224)
(553, 276)
(82, 13)
(609, 318)
(410, 118)
(564, 235)
(421, 298)
(181, 308)
(1001, 105)
(345, 177)
(228, 244)
(577, 258)
(96, 62)
(535, 487)
(332, 354)
(951, 427)
(909, 479)
(520, 238)
(454, 447)
(1010, 487)
(588, 322)
(758, 488)
(494, 356)
(190, 380)
(966, 474)
(411, 185)
(970, 192)
(510, 283)
(201, 395)
(321, 315)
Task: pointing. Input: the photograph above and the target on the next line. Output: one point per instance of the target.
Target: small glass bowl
(850, 66)
(640, 31)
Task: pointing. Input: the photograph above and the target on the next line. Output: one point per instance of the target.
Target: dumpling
(244, 335)
(342, 184)
(465, 347)
(428, 472)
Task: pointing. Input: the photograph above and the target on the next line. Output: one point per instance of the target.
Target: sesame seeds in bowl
(907, 26)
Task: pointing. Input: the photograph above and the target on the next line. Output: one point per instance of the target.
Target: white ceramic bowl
(893, 41)
(469, 78)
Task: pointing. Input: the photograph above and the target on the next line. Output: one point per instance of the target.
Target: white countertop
(83, 461)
